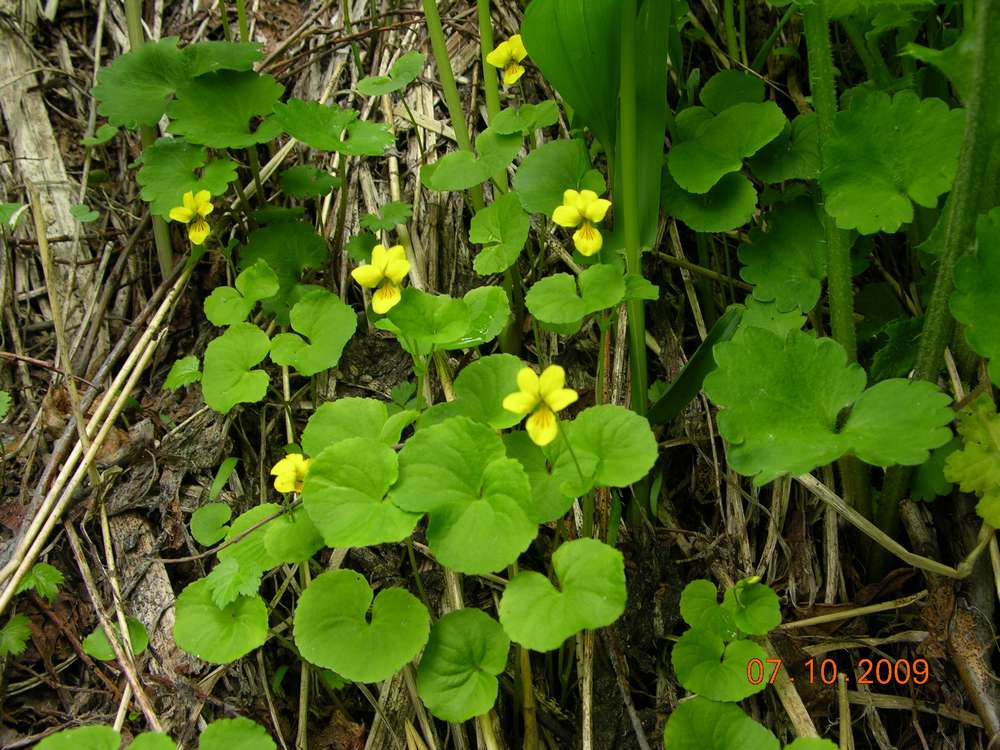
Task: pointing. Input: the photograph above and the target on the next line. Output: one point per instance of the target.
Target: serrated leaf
(767, 315)
(973, 303)
(728, 88)
(97, 646)
(392, 214)
(976, 467)
(331, 629)
(885, 155)
(787, 264)
(250, 553)
(526, 118)
(229, 377)
(706, 665)
(226, 306)
(208, 523)
(345, 494)
(457, 678)
(239, 114)
(172, 167)
(551, 169)
(555, 298)
(183, 371)
(401, 74)
(14, 635)
(899, 353)
(479, 390)
(96, 737)
(477, 500)
(229, 734)
(793, 155)
(591, 595)
(502, 228)
(325, 323)
(754, 605)
(702, 724)
(306, 181)
(722, 143)
(218, 634)
(45, 579)
(729, 204)
(929, 481)
(229, 582)
(320, 126)
(461, 170)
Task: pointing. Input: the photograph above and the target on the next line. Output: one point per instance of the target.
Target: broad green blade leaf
(289, 247)
(45, 579)
(344, 494)
(353, 417)
(229, 377)
(226, 469)
(793, 155)
(226, 306)
(552, 169)
(82, 738)
(457, 678)
(235, 734)
(614, 442)
(326, 324)
(461, 170)
(218, 634)
(502, 228)
(207, 57)
(728, 205)
(722, 143)
(706, 665)
(973, 303)
(755, 607)
(701, 724)
(787, 264)
(14, 635)
(292, 537)
(172, 167)
(402, 72)
(331, 629)
(480, 389)
(728, 88)
(477, 500)
(555, 299)
(226, 109)
(549, 502)
(96, 644)
(526, 118)
(489, 312)
(152, 741)
(976, 467)
(306, 181)
(208, 523)
(886, 154)
(591, 595)
(184, 371)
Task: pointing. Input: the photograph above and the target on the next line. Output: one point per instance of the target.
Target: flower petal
(181, 214)
(188, 201)
(367, 275)
(587, 239)
(597, 210)
(516, 47)
(587, 197)
(560, 399)
(567, 216)
(386, 298)
(500, 55)
(527, 381)
(552, 379)
(512, 73)
(542, 426)
(397, 269)
(198, 230)
(380, 257)
(520, 403)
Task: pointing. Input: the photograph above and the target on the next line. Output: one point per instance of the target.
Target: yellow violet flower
(386, 273)
(290, 472)
(586, 209)
(541, 397)
(196, 207)
(508, 56)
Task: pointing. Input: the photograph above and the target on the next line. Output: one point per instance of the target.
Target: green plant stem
(148, 134)
(345, 8)
(451, 98)
(874, 67)
(729, 19)
(743, 32)
(629, 205)
(761, 57)
(974, 171)
(255, 171)
(241, 17)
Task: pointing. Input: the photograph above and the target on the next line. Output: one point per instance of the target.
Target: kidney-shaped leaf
(555, 298)
(332, 628)
(218, 634)
(480, 389)
(702, 724)
(96, 737)
(326, 324)
(502, 228)
(754, 606)
(728, 205)
(707, 665)
(402, 72)
(550, 170)
(226, 306)
(229, 377)
(461, 170)
(235, 734)
(353, 417)
(427, 319)
(208, 523)
(728, 88)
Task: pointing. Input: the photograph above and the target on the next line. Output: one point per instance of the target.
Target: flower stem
(241, 15)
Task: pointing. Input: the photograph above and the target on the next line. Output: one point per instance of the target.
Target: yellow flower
(196, 207)
(584, 208)
(508, 56)
(290, 472)
(541, 397)
(386, 271)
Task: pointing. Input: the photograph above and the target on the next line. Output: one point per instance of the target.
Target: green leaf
(250, 554)
(976, 467)
(14, 635)
(292, 537)
(207, 57)
(973, 303)
(502, 227)
(722, 143)
(477, 500)
(103, 134)
(793, 155)
(551, 169)
(344, 494)
(755, 607)
(82, 213)
(393, 214)
(152, 741)
(489, 312)
(11, 214)
(886, 154)
(96, 644)
(766, 315)
(591, 595)
(218, 635)
(899, 353)
(44, 579)
(172, 167)
(352, 417)
(427, 318)
(728, 88)
(221, 477)
(461, 170)
(332, 629)
(326, 324)
(700, 609)
(96, 737)
(811, 743)
(229, 582)
(359, 248)
(706, 665)
(306, 181)
(526, 119)
(184, 371)
(728, 205)
(457, 678)
(613, 444)
(781, 399)
(320, 126)
(4, 403)
(956, 61)
(289, 248)
(226, 306)
(208, 523)
(222, 109)
(701, 724)
(401, 74)
(929, 481)
(480, 389)
(787, 264)
(555, 298)
(549, 502)
(228, 378)
(229, 734)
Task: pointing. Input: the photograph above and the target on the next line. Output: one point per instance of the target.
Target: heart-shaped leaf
(555, 298)
(208, 523)
(326, 324)
(549, 502)
(480, 389)
(729, 204)
(226, 306)
(973, 303)
(755, 607)
(332, 629)
(184, 371)
(708, 666)
(172, 167)
(550, 170)
(245, 560)
(95, 737)
(306, 181)
(427, 319)
(292, 537)
(728, 88)
(793, 155)
(502, 228)
(457, 678)
(477, 500)
(700, 608)
(526, 119)
(461, 170)
(702, 724)
(489, 312)
(96, 644)
(591, 595)
(227, 734)
(402, 72)
(289, 248)
(218, 634)
(229, 377)
(352, 417)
